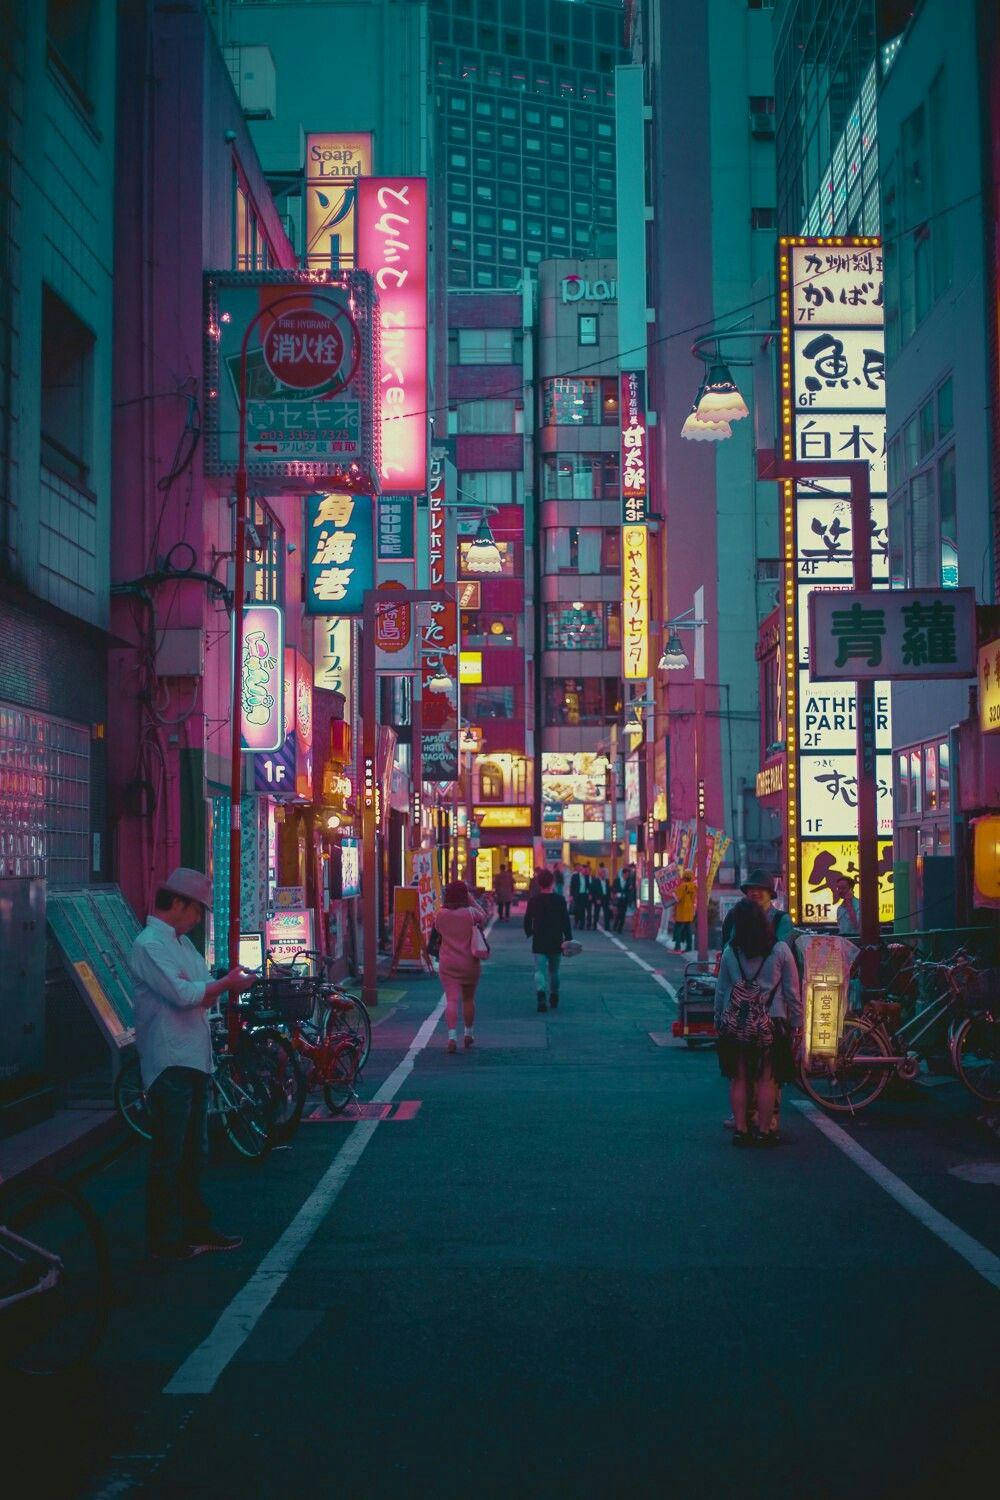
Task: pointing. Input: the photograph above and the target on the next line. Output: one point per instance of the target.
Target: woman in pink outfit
(458, 969)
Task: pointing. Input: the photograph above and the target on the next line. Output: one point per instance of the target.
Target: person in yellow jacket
(687, 895)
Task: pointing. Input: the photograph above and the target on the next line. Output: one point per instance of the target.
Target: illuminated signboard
(439, 691)
(989, 687)
(898, 634)
(633, 791)
(502, 817)
(308, 380)
(395, 527)
(392, 245)
(470, 667)
(332, 657)
(832, 410)
(350, 867)
(262, 678)
(340, 558)
(334, 162)
(634, 448)
(635, 603)
(435, 520)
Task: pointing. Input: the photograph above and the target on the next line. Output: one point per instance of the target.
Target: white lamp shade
(483, 557)
(674, 658)
(699, 429)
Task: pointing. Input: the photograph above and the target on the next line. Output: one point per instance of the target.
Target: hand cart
(696, 1004)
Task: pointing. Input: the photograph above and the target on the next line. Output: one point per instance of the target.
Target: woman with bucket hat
(458, 966)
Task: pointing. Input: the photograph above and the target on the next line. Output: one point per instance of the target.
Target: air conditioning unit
(762, 126)
(252, 72)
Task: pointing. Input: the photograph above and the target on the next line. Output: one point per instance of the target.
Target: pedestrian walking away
(458, 967)
(593, 900)
(687, 896)
(546, 922)
(173, 993)
(503, 892)
(758, 1013)
(604, 897)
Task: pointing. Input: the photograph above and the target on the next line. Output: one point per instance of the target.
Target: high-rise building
(526, 132)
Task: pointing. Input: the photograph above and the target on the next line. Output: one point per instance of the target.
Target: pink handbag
(478, 946)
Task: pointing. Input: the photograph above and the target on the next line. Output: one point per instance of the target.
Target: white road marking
(982, 1261)
(983, 1173)
(201, 1370)
(659, 979)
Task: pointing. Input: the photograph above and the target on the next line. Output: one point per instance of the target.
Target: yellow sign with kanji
(635, 603)
(823, 862)
(989, 687)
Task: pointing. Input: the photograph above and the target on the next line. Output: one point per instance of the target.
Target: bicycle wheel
(340, 1075)
(53, 1248)
(243, 1103)
(130, 1099)
(351, 1020)
(286, 1085)
(976, 1053)
(844, 1086)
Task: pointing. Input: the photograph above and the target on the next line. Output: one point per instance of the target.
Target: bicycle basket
(292, 997)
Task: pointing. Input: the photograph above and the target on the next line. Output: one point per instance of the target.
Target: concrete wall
(952, 338)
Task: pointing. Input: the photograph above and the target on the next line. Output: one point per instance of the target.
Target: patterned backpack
(746, 1019)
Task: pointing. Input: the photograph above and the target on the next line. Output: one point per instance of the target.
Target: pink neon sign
(392, 245)
(262, 677)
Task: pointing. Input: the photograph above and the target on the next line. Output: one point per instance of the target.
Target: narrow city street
(547, 1273)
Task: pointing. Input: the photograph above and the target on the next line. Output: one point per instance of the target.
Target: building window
(923, 508)
(763, 218)
(582, 549)
(489, 416)
(583, 627)
(510, 558)
(70, 27)
(490, 782)
(481, 628)
(586, 329)
(266, 556)
(578, 701)
(492, 486)
(482, 703)
(485, 346)
(581, 401)
(67, 395)
(580, 476)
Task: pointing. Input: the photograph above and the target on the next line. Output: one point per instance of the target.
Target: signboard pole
(369, 873)
(701, 849)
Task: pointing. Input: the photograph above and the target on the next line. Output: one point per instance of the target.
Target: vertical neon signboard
(392, 245)
(340, 553)
(635, 603)
(832, 410)
(634, 448)
(261, 675)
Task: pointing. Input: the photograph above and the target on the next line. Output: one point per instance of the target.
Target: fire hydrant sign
(297, 350)
(893, 635)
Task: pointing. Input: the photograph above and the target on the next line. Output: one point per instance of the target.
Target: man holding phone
(172, 995)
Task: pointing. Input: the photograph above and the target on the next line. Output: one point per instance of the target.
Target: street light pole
(701, 851)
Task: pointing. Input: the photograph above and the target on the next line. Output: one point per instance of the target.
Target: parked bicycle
(877, 1044)
(55, 1278)
(240, 1099)
(329, 1030)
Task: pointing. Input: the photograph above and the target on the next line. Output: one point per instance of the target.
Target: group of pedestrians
(595, 897)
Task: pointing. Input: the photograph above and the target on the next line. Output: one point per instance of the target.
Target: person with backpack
(757, 995)
(546, 922)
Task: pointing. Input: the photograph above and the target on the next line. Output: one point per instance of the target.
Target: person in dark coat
(593, 900)
(546, 922)
(578, 896)
(619, 897)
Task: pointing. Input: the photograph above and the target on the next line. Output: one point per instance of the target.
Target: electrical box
(180, 652)
(252, 72)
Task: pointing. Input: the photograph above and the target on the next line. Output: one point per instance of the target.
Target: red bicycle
(329, 1055)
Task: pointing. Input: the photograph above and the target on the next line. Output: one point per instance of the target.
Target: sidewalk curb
(60, 1157)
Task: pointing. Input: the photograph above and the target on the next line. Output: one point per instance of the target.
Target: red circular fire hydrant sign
(303, 349)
